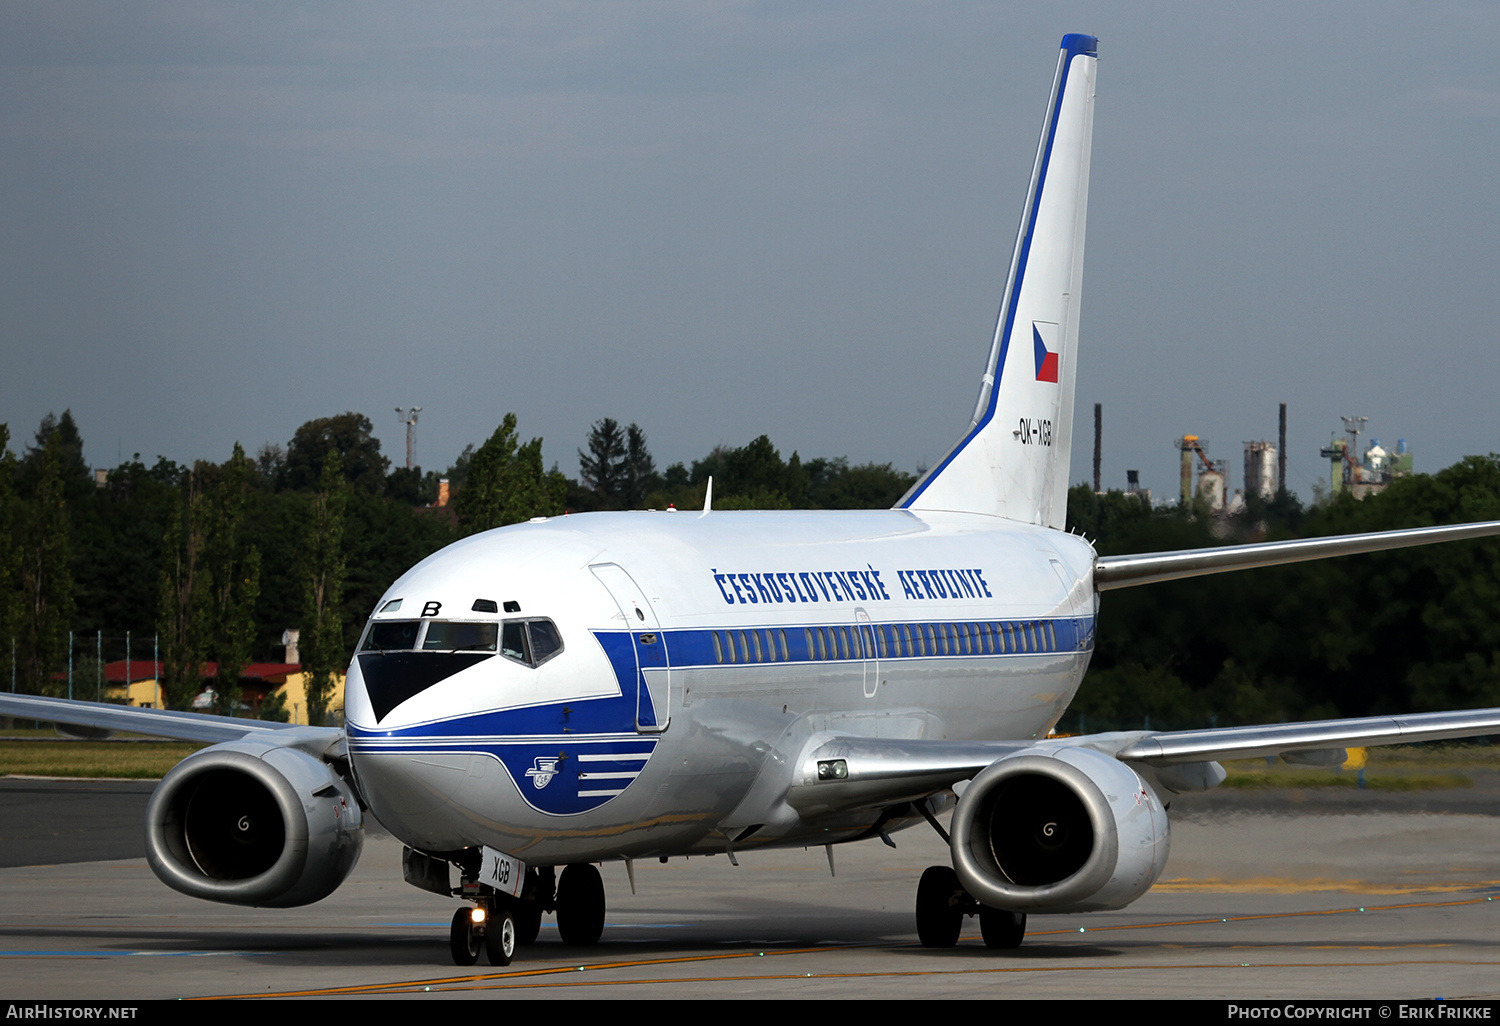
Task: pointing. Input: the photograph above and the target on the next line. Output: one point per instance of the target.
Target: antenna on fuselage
(708, 498)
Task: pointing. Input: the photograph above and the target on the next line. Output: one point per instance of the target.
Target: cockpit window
(545, 642)
(532, 642)
(513, 642)
(391, 636)
(455, 636)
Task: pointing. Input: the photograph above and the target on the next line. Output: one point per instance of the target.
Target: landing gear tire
(1002, 929)
(528, 921)
(500, 936)
(940, 907)
(462, 940)
(580, 905)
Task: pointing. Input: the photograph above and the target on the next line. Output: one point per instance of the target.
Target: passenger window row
(751, 646)
(887, 641)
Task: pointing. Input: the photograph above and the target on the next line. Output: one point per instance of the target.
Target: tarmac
(1267, 896)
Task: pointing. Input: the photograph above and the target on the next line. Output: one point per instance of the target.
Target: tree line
(1413, 630)
(216, 560)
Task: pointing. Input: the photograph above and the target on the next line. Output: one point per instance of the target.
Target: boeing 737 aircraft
(537, 699)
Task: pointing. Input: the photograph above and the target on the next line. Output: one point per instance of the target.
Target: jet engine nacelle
(1063, 830)
(250, 823)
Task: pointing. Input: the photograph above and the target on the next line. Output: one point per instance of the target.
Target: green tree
(507, 484)
(274, 709)
(118, 547)
(754, 476)
(322, 640)
(61, 434)
(10, 556)
(640, 469)
(184, 591)
(833, 484)
(410, 487)
(233, 573)
(44, 570)
(617, 470)
(349, 435)
(602, 467)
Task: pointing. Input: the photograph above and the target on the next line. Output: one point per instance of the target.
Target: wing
(183, 726)
(1073, 824)
(1184, 746)
(854, 772)
(841, 773)
(1112, 572)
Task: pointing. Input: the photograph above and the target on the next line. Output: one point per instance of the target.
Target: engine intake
(248, 823)
(1066, 830)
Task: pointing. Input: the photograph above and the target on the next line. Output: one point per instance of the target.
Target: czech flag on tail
(1046, 360)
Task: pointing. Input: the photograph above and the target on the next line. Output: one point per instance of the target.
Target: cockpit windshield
(439, 636)
(451, 636)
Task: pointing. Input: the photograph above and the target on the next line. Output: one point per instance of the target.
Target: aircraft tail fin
(1013, 461)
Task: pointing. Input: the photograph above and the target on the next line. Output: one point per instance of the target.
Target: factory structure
(1204, 481)
(1366, 474)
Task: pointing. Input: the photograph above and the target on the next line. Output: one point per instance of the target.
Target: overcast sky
(718, 220)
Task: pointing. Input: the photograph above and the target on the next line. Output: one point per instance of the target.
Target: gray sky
(218, 221)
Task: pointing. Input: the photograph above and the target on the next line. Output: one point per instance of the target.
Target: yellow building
(137, 682)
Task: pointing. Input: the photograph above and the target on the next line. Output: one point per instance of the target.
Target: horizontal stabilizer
(1112, 572)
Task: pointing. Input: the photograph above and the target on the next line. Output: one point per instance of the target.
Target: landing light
(477, 916)
(833, 769)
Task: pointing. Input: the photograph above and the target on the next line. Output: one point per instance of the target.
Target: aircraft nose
(408, 785)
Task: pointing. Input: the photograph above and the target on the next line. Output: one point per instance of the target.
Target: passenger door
(653, 683)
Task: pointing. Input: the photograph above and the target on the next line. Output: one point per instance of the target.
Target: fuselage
(643, 684)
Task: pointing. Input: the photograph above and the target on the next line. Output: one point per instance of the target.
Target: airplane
(534, 700)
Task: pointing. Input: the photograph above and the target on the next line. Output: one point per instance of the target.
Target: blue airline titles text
(847, 586)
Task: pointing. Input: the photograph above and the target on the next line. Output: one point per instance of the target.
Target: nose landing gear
(490, 926)
(498, 923)
(463, 938)
(500, 937)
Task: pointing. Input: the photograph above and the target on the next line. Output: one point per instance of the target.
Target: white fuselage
(700, 656)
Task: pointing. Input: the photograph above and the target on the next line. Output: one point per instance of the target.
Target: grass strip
(137, 760)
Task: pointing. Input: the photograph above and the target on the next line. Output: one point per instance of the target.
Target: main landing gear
(942, 904)
(498, 923)
(580, 905)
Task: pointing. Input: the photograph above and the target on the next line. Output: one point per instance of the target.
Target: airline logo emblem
(543, 770)
(1046, 360)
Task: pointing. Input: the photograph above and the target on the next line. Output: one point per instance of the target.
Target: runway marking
(419, 985)
(1265, 915)
(501, 982)
(546, 977)
(125, 954)
(1283, 885)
